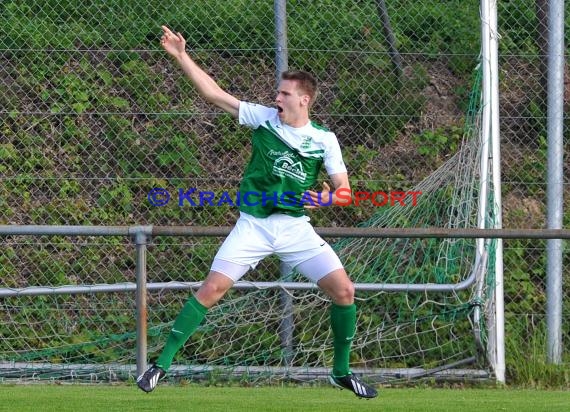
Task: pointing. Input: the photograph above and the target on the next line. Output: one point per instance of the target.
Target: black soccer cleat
(352, 383)
(148, 380)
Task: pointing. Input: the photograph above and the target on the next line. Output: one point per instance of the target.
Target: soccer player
(288, 150)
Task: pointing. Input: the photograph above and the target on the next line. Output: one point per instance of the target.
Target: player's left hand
(173, 43)
(319, 199)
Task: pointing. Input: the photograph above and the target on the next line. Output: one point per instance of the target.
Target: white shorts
(292, 239)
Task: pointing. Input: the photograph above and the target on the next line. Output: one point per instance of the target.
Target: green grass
(85, 398)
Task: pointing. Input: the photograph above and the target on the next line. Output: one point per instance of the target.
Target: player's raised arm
(175, 45)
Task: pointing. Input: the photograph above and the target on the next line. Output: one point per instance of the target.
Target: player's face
(291, 102)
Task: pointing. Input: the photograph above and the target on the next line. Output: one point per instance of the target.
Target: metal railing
(141, 236)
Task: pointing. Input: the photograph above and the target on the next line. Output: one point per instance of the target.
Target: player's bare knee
(210, 293)
(346, 293)
(342, 293)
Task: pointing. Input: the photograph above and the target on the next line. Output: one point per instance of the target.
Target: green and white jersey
(285, 162)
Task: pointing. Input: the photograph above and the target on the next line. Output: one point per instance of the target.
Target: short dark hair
(306, 81)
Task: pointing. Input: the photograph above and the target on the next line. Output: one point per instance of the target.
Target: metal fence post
(555, 179)
(141, 235)
(281, 62)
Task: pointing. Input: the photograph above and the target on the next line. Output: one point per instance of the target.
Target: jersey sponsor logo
(287, 166)
(274, 153)
(306, 143)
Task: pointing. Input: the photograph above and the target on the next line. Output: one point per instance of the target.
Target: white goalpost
(491, 150)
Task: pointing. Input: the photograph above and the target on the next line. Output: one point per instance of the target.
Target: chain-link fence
(94, 115)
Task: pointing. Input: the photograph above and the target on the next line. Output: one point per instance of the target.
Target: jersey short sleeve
(252, 114)
(333, 160)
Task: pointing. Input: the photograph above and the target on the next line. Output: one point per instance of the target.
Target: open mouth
(279, 109)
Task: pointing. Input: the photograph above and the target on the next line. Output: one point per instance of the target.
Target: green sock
(184, 325)
(343, 325)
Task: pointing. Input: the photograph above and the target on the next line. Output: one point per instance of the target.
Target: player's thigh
(297, 242)
(246, 244)
(320, 265)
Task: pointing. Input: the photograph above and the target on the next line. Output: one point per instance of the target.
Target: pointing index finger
(166, 30)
